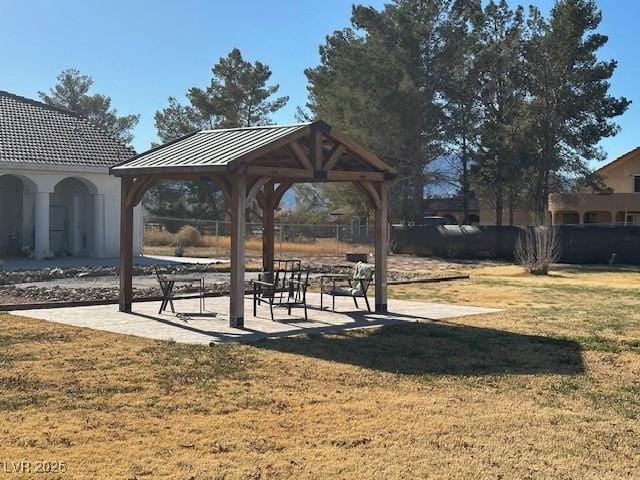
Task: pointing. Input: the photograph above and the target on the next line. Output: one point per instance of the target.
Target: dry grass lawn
(162, 243)
(549, 388)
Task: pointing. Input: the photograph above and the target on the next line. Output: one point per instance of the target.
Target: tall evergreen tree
(237, 96)
(570, 107)
(502, 95)
(461, 90)
(72, 92)
(379, 81)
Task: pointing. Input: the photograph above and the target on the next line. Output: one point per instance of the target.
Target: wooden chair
(354, 286)
(285, 287)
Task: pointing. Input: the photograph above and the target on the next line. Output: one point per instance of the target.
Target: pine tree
(570, 107)
(72, 92)
(379, 82)
(462, 107)
(237, 96)
(502, 95)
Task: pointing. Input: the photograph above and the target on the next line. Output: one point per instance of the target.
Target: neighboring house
(452, 208)
(56, 195)
(622, 207)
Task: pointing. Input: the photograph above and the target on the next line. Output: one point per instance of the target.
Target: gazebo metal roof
(218, 151)
(208, 148)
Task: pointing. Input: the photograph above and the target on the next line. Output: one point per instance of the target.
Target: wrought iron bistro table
(168, 282)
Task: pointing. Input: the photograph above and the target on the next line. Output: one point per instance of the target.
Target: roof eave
(174, 170)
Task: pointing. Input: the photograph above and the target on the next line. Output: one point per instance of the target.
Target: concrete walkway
(213, 326)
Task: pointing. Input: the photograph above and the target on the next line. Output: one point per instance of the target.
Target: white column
(98, 222)
(27, 218)
(42, 225)
(76, 226)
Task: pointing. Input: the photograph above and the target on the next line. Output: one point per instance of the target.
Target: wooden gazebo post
(381, 241)
(238, 214)
(126, 245)
(268, 225)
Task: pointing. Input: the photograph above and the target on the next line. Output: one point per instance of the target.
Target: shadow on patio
(439, 348)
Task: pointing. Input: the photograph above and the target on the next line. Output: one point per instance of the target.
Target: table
(167, 283)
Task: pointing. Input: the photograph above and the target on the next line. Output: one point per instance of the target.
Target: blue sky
(141, 52)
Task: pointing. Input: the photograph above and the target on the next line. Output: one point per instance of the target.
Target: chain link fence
(162, 236)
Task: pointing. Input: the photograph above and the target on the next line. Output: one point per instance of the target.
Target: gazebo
(259, 163)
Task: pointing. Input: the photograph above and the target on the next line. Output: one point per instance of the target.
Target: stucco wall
(98, 182)
(619, 175)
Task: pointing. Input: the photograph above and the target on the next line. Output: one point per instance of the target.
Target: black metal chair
(354, 286)
(284, 287)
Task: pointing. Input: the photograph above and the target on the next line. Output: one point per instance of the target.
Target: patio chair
(285, 287)
(354, 286)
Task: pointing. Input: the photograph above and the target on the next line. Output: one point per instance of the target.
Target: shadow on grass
(439, 348)
(595, 268)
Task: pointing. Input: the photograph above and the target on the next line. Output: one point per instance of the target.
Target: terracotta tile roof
(37, 133)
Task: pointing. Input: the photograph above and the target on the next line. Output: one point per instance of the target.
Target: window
(636, 183)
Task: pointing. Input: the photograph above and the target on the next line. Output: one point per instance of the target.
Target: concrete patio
(188, 326)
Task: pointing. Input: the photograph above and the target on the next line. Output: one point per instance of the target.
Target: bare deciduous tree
(537, 248)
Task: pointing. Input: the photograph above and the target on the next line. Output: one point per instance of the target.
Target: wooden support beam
(261, 199)
(255, 187)
(359, 151)
(317, 157)
(278, 173)
(279, 193)
(138, 187)
(268, 227)
(334, 157)
(301, 155)
(238, 211)
(224, 186)
(381, 240)
(126, 245)
(371, 193)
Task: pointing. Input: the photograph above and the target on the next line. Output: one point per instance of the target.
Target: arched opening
(567, 218)
(71, 217)
(628, 218)
(598, 217)
(16, 215)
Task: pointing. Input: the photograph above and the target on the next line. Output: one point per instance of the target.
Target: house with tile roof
(56, 195)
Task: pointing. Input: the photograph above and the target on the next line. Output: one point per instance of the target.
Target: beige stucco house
(622, 207)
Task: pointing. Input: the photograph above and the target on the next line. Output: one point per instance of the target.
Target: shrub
(188, 236)
(158, 239)
(537, 248)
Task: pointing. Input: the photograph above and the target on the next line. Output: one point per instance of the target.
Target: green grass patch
(180, 365)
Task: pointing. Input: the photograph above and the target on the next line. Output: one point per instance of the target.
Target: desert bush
(188, 236)
(156, 238)
(537, 248)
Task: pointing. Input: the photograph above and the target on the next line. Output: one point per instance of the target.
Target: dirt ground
(549, 388)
